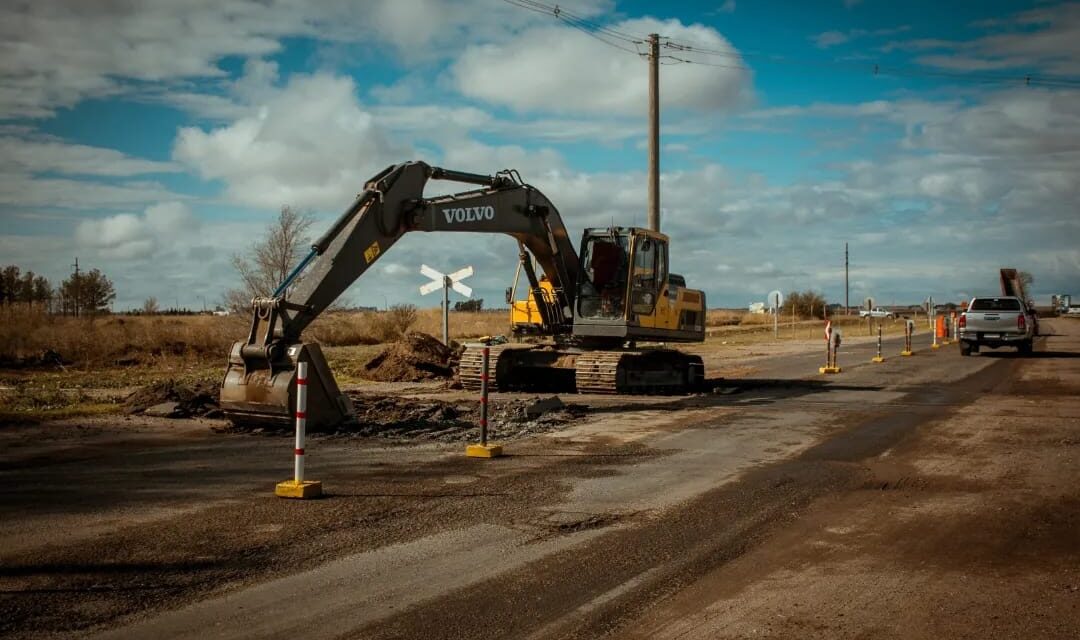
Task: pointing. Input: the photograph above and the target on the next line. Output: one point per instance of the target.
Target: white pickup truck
(876, 312)
(1001, 321)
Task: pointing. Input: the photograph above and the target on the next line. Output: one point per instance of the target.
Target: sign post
(775, 299)
(446, 282)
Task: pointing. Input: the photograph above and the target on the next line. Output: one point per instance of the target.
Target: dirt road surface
(924, 497)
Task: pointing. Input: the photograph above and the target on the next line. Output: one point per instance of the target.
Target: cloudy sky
(155, 139)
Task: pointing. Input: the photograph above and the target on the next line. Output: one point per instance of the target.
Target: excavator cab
(627, 292)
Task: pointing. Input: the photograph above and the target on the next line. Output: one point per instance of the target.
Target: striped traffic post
(878, 357)
(301, 422)
(298, 487)
(484, 450)
(830, 350)
(908, 327)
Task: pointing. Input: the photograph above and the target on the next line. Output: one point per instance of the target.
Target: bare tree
(266, 265)
(150, 306)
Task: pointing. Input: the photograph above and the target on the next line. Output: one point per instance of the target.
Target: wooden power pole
(654, 132)
(847, 303)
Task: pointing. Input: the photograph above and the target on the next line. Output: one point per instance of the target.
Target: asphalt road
(622, 524)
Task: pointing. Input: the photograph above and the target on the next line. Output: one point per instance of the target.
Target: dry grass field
(54, 366)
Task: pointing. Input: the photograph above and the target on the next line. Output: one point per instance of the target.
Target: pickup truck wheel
(965, 348)
(1025, 347)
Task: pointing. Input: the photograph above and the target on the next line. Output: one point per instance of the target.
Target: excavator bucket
(260, 386)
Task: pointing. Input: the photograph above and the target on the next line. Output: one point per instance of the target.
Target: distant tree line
(85, 293)
(806, 304)
(469, 305)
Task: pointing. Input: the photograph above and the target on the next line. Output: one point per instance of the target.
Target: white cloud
(833, 38)
(58, 52)
(38, 154)
(24, 190)
(1046, 39)
(562, 70)
(128, 236)
(309, 144)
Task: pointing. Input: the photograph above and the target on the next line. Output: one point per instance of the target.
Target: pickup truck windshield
(995, 304)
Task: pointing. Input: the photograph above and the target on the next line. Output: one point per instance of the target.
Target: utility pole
(76, 265)
(654, 132)
(847, 303)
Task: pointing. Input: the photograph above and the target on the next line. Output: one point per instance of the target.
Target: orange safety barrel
(940, 328)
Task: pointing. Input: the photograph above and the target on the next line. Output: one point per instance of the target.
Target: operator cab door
(647, 278)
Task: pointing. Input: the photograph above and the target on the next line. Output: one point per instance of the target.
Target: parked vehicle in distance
(876, 312)
(1074, 311)
(1001, 321)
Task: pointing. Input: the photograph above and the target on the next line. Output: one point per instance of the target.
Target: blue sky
(156, 140)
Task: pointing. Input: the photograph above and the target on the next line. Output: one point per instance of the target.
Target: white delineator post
(301, 422)
(298, 487)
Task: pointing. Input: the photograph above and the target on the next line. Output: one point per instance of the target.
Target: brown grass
(157, 340)
(178, 342)
(112, 340)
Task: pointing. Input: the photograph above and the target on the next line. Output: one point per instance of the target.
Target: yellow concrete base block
(907, 353)
(935, 346)
(877, 359)
(483, 450)
(302, 490)
(828, 369)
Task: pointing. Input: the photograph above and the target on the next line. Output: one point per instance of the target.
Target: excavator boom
(259, 385)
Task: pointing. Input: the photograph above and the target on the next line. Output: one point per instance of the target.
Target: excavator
(585, 311)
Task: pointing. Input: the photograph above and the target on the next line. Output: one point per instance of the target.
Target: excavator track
(470, 367)
(518, 368)
(631, 372)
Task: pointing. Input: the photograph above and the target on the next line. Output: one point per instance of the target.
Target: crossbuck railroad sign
(439, 280)
(446, 282)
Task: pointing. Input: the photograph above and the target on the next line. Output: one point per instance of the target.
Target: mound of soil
(173, 399)
(417, 356)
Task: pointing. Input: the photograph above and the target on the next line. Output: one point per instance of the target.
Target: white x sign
(437, 280)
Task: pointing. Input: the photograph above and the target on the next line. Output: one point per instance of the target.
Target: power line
(589, 28)
(875, 68)
(607, 34)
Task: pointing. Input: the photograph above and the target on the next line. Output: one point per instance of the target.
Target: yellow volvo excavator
(590, 308)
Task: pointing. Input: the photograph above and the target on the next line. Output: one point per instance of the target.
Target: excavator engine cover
(260, 386)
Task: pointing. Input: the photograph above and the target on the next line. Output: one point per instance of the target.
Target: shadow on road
(1034, 354)
(722, 392)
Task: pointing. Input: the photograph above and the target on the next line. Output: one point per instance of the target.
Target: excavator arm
(259, 384)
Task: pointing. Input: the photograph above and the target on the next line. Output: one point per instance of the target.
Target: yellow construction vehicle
(591, 308)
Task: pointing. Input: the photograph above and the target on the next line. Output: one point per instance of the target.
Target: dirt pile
(417, 356)
(172, 399)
